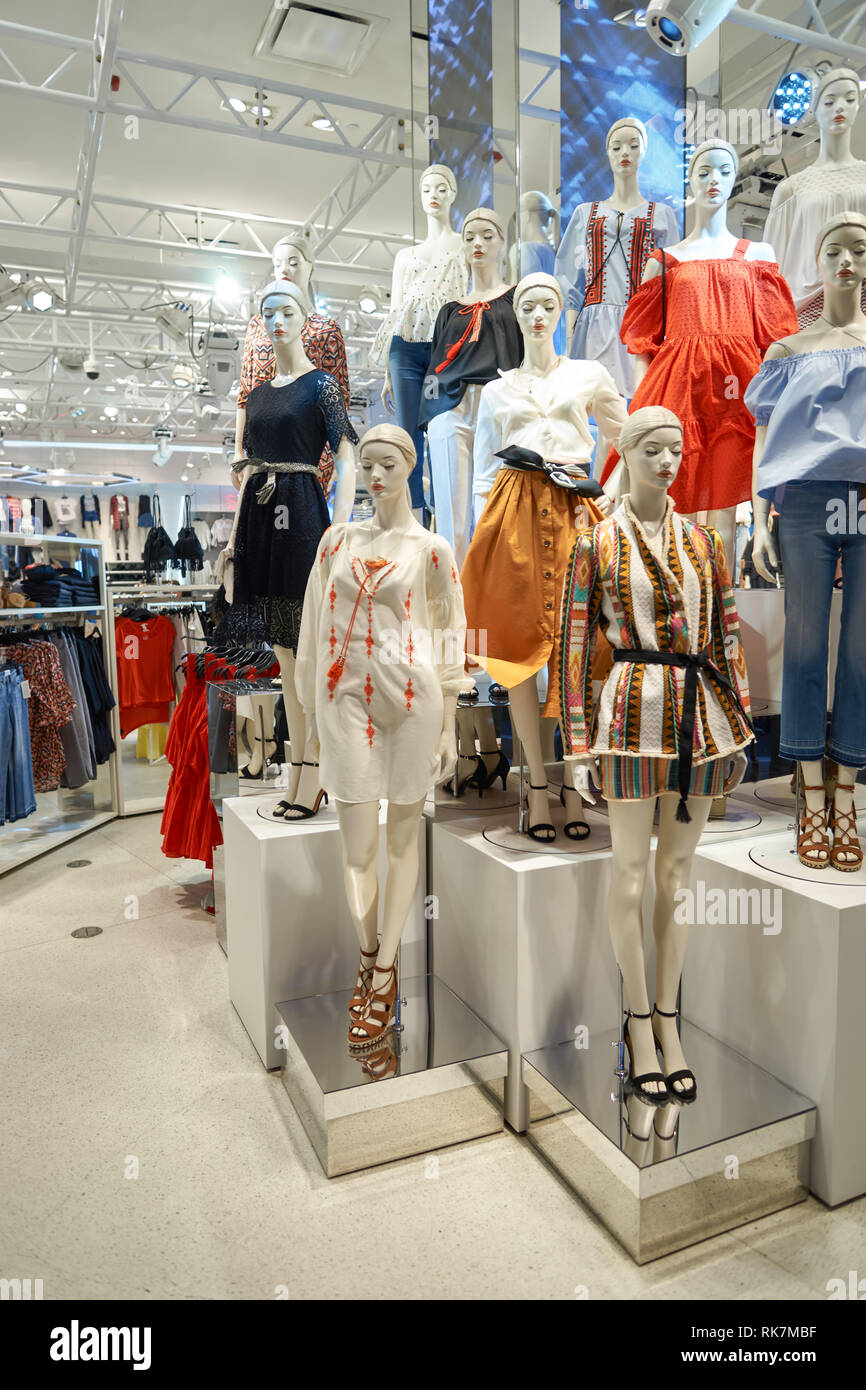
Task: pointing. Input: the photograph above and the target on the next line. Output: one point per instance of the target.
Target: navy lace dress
(277, 538)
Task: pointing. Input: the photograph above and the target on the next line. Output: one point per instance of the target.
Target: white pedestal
(288, 929)
(762, 624)
(792, 1000)
(521, 936)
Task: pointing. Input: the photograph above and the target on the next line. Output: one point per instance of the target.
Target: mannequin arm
(387, 393)
(240, 426)
(570, 324)
(736, 774)
(344, 491)
(763, 548)
(447, 749)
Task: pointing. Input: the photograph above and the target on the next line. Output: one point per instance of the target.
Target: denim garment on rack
(17, 797)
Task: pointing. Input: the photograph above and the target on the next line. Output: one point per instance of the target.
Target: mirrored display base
(447, 1086)
(662, 1178)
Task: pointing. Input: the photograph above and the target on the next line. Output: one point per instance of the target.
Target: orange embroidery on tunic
(370, 730)
(409, 694)
(368, 688)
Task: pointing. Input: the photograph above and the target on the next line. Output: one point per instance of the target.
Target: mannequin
(281, 513)
(474, 337)
(809, 402)
(322, 343)
(604, 252)
(90, 514)
(834, 183)
(425, 277)
(119, 509)
(380, 685)
(515, 570)
(724, 303)
(656, 584)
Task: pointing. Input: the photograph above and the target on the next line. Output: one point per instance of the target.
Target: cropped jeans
(17, 798)
(820, 524)
(408, 364)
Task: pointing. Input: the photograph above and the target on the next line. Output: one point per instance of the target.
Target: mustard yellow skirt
(513, 577)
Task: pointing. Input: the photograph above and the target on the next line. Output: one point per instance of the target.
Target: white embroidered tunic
(422, 284)
(400, 629)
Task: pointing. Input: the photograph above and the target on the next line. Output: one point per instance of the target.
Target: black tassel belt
(528, 461)
(692, 664)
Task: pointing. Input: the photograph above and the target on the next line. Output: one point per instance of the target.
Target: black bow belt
(528, 461)
(692, 664)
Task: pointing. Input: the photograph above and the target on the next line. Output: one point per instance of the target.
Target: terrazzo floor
(144, 1153)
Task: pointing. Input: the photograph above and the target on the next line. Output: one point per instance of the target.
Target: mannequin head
(837, 101)
(387, 457)
(840, 250)
(283, 307)
(483, 239)
(626, 145)
(712, 173)
(537, 212)
(651, 445)
(438, 188)
(293, 261)
(538, 304)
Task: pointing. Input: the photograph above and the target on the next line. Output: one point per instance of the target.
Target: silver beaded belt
(272, 469)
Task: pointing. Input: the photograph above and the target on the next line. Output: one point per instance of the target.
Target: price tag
(25, 689)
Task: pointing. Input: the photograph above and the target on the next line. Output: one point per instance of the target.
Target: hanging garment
(145, 515)
(97, 690)
(119, 508)
(381, 645)
(221, 530)
(145, 681)
(190, 556)
(17, 794)
(49, 708)
(706, 325)
(89, 507)
(158, 553)
(65, 511)
(323, 344)
(77, 735)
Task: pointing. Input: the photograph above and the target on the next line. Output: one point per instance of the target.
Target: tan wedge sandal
(358, 1002)
(845, 840)
(813, 839)
(377, 1018)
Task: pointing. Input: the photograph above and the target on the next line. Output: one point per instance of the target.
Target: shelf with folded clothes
(51, 612)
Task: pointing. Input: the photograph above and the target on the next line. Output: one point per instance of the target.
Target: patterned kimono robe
(682, 603)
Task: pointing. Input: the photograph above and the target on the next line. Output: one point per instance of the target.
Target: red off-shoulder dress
(721, 316)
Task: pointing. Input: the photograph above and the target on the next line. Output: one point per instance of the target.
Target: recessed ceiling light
(322, 123)
(237, 104)
(21, 407)
(42, 300)
(111, 411)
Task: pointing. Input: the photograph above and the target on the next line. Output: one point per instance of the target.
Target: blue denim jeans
(407, 364)
(17, 798)
(816, 530)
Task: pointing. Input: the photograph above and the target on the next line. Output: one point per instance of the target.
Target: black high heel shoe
(498, 693)
(638, 1083)
(282, 806)
(481, 779)
(257, 776)
(462, 782)
(533, 830)
(574, 829)
(304, 812)
(685, 1074)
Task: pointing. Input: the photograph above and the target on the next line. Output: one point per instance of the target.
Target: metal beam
(809, 38)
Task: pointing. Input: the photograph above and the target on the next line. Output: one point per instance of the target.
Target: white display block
(521, 936)
(790, 999)
(762, 625)
(288, 929)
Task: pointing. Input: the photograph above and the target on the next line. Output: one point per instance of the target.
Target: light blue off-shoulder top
(814, 407)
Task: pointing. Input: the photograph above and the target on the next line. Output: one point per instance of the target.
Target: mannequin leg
(843, 802)
(359, 835)
(526, 721)
(302, 781)
(486, 731)
(263, 734)
(402, 839)
(677, 842)
(846, 742)
(631, 824)
(450, 437)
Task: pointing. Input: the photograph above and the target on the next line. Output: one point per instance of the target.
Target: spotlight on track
(678, 26)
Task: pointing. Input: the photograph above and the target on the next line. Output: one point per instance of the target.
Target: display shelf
(52, 612)
(15, 538)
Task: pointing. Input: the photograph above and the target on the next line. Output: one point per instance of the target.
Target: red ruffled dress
(721, 316)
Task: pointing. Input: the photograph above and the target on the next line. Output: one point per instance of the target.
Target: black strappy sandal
(637, 1083)
(257, 776)
(574, 829)
(681, 1097)
(532, 830)
(282, 807)
(304, 812)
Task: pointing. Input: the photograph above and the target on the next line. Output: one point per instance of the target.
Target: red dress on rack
(721, 316)
(190, 826)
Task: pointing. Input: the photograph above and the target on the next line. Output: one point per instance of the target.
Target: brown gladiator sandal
(362, 989)
(812, 824)
(376, 1020)
(845, 841)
